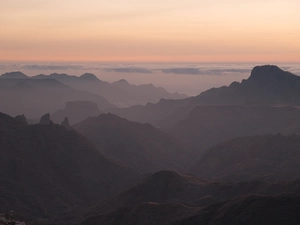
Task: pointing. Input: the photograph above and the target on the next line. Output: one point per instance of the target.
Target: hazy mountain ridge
(76, 111)
(267, 157)
(267, 85)
(141, 146)
(120, 93)
(206, 126)
(34, 97)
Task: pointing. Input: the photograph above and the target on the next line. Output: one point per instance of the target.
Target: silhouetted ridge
(269, 72)
(21, 118)
(14, 75)
(89, 76)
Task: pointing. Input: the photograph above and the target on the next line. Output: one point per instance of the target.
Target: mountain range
(35, 97)
(120, 93)
(227, 156)
(267, 85)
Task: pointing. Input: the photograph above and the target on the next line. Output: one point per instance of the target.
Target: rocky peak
(269, 73)
(21, 119)
(66, 124)
(45, 120)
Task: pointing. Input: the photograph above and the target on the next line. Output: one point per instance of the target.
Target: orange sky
(140, 30)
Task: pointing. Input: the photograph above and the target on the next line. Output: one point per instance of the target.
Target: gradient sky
(156, 30)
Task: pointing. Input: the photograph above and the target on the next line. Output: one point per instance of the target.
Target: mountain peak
(14, 75)
(122, 81)
(268, 72)
(88, 76)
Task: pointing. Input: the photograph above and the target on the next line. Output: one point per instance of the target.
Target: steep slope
(47, 170)
(166, 197)
(140, 146)
(267, 85)
(209, 125)
(268, 157)
(37, 97)
(120, 93)
(76, 111)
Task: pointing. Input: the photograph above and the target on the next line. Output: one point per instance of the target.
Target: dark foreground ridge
(46, 170)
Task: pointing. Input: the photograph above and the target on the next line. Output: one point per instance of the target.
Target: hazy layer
(187, 78)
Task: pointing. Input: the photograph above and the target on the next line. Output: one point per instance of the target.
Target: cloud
(129, 70)
(51, 67)
(207, 71)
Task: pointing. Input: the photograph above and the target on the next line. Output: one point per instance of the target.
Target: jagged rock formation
(21, 118)
(45, 120)
(66, 124)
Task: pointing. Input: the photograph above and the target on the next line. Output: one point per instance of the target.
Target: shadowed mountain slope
(47, 170)
(248, 210)
(166, 197)
(209, 125)
(267, 157)
(140, 146)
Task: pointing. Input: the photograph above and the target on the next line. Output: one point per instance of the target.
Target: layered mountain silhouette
(169, 198)
(239, 144)
(206, 126)
(267, 85)
(120, 93)
(35, 97)
(266, 157)
(47, 170)
(76, 111)
(141, 146)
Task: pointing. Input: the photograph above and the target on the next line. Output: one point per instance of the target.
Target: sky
(150, 31)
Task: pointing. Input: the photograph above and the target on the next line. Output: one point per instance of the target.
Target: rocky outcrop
(66, 124)
(45, 120)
